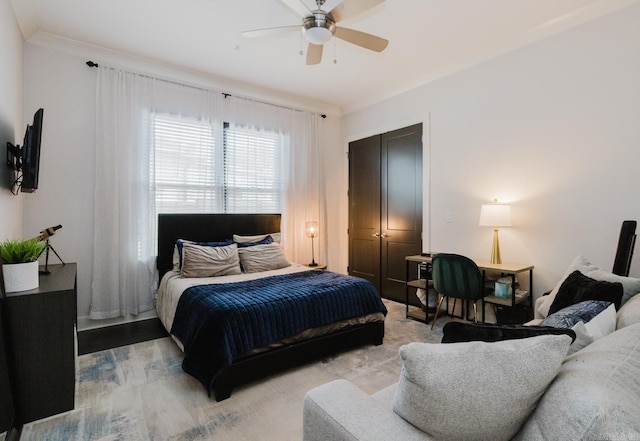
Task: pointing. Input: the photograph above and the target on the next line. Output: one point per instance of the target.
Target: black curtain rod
(226, 95)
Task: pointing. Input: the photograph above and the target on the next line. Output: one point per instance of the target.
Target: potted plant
(20, 264)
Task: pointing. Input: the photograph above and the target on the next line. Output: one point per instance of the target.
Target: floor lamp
(312, 232)
(495, 215)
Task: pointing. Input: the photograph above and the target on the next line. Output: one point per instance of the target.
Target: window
(198, 171)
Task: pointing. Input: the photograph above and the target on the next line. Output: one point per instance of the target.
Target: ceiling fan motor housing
(319, 27)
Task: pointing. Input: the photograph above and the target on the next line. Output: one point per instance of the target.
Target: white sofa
(594, 396)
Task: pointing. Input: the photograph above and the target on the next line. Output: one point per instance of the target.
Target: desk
(506, 269)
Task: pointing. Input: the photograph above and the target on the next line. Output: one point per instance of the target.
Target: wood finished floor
(108, 337)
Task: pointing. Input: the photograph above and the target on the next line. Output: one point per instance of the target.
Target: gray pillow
(260, 258)
(629, 313)
(207, 261)
(595, 394)
(476, 390)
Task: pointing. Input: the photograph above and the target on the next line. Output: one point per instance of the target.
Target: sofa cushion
(595, 394)
(629, 313)
(578, 287)
(339, 410)
(445, 390)
(458, 332)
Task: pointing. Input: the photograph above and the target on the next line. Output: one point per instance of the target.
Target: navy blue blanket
(219, 323)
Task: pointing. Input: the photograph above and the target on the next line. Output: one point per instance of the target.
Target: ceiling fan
(319, 25)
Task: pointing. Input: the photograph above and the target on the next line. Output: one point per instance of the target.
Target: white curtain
(124, 274)
(304, 198)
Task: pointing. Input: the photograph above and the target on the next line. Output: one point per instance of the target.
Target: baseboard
(108, 337)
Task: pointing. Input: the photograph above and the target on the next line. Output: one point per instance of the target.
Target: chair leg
(475, 312)
(435, 317)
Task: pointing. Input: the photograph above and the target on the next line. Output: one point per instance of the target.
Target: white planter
(20, 276)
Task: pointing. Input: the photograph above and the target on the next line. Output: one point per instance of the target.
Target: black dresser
(40, 342)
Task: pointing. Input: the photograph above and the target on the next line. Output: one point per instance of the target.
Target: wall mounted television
(26, 159)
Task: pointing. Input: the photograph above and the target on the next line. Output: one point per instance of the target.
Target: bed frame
(218, 227)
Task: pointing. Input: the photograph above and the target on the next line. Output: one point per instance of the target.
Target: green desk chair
(458, 277)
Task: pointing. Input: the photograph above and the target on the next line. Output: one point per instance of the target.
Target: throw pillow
(590, 320)
(631, 286)
(579, 263)
(177, 249)
(441, 386)
(257, 237)
(629, 313)
(579, 312)
(262, 258)
(457, 332)
(578, 287)
(264, 241)
(205, 261)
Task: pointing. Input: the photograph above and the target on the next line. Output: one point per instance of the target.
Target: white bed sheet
(172, 286)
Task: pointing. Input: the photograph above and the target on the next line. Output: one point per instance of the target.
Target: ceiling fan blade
(331, 4)
(297, 6)
(362, 39)
(270, 32)
(349, 8)
(314, 53)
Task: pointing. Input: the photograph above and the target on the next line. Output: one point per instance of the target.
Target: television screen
(31, 154)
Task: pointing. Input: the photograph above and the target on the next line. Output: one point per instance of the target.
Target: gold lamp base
(495, 250)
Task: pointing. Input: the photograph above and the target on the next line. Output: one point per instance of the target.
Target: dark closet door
(401, 206)
(385, 207)
(364, 209)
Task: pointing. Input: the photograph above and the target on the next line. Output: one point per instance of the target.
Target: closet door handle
(383, 235)
(375, 235)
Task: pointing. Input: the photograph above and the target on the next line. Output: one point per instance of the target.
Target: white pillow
(476, 390)
(599, 326)
(629, 313)
(277, 237)
(630, 285)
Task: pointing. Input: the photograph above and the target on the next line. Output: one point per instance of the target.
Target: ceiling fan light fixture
(318, 35)
(319, 28)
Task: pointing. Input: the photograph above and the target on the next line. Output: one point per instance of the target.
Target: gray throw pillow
(476, 390)
(207, 261)
(260, 258)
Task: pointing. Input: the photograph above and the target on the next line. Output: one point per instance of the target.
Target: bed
(298, 314)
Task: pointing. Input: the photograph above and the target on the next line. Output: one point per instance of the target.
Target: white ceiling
(428, 39)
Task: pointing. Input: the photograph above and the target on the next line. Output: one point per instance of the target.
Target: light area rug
(139, 392)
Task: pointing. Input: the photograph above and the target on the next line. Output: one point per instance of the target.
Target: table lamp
(495, 215)
(312, 232)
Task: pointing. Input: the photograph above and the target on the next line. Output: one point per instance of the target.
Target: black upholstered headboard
(207, 227)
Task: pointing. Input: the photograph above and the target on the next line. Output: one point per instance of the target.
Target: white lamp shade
(495, 215)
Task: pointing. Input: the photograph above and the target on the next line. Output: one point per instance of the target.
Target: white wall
(552, 128)
(58, 80)
(64, 87)
(11, 122)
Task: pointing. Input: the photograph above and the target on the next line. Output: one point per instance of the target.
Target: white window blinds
(196, 173)
(252, 168)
